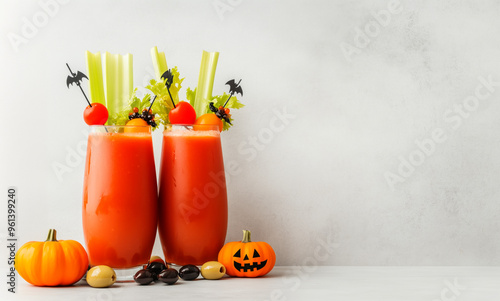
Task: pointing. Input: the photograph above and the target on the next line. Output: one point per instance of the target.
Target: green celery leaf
(233, 103)
(219, 100)
(121, 118)
(163, 104)
(191, 95)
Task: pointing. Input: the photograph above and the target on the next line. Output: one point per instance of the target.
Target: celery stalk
(205, 82)
(110, 80)
(118, 81)
(159, 62)
(127, 83)
(94, 68)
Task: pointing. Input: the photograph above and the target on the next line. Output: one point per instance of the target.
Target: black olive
(156, 267)
(155, 276)
(169, 276)
(144, 277)
(189, 272)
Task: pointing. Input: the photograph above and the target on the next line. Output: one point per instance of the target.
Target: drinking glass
(120, 200)
(192, 220)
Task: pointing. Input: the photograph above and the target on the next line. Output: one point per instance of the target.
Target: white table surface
(300, 283)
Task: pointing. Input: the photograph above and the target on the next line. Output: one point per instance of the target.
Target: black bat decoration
(221, 112)
(169, 77)
(234, 87)
(75, 78)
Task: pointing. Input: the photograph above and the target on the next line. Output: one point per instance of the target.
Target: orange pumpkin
(52, 262)
(247, 258)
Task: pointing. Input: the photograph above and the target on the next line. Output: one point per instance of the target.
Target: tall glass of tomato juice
(192, 219)
(120, 200)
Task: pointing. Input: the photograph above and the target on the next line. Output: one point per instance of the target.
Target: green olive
(213, 270)
(101, 276)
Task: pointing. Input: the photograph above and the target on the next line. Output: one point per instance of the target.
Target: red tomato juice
(192, 220)
(120, 199)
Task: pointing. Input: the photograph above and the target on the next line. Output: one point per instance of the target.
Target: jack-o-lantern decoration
(247, 258)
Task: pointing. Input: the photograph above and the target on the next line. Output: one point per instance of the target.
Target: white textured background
(356, 117)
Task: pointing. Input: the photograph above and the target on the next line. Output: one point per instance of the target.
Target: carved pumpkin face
(246, 258)
(248, 263)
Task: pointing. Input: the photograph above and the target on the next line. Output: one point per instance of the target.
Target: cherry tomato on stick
(97, 114)
(183, 113)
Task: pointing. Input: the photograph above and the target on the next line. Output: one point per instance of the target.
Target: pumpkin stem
(246, 236)
(52, 235)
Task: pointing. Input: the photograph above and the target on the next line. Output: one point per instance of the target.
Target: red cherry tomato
(95, 115)
(183, 113)
(210, 119)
